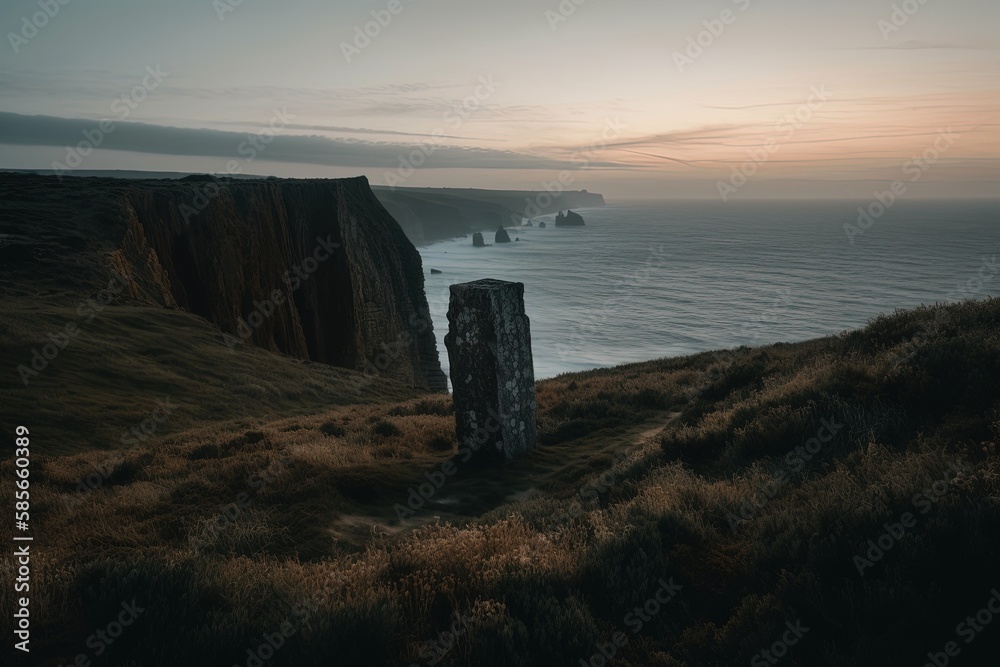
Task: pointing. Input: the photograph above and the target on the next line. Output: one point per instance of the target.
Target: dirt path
(557, 471)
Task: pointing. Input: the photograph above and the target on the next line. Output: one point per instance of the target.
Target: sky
(650, 99)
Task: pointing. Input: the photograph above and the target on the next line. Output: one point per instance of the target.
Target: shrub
(332, 430)
(386, 429)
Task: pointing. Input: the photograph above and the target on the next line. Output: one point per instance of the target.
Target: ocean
(647, 281)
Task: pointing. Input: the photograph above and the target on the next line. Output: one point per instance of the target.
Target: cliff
(315, 269)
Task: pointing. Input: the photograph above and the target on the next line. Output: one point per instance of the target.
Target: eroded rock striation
(315, 269)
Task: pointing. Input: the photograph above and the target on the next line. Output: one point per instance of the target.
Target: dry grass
(547, 556)
(113, 374)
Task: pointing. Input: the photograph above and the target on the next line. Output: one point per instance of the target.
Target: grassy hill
(153, 369)
(834, 502)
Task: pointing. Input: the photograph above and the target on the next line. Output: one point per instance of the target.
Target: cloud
(347, 130)
(18, 129)
(917, 45)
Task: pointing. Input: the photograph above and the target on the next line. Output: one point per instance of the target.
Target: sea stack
(492, 373)
(502, 236)
(571, 219)
(477, 240)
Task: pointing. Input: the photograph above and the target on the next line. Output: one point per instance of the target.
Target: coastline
(549, 219)
(643, 283)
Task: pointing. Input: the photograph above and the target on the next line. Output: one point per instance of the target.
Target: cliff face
(316, 269)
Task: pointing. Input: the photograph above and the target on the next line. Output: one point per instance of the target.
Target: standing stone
(492, 375)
